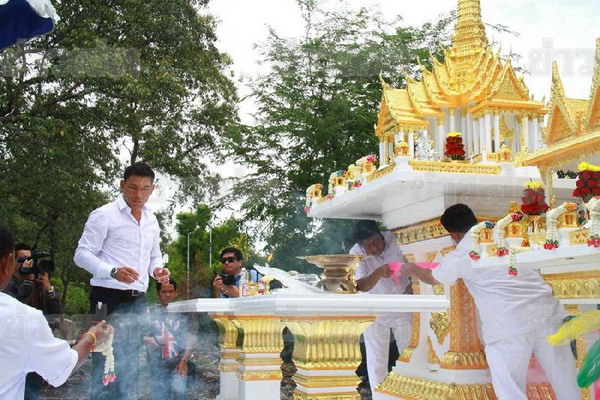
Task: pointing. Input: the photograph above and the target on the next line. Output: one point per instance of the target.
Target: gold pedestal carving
(228, 336)
(328, 346)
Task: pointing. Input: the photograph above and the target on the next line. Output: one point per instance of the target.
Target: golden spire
(469, 31)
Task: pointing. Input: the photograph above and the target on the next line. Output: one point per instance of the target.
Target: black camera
(39, 265)
(228, 280)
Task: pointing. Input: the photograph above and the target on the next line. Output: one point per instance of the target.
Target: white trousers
(377, 344)
(509, 361)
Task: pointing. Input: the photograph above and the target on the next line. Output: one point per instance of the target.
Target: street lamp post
(210, 248)
(188, 264)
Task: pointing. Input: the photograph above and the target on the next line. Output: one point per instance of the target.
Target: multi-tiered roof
(471, 77)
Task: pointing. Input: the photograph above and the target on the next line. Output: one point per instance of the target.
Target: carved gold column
(408, 351)
(228, 365)
(260, 342)
(326, 353)
(466, 351)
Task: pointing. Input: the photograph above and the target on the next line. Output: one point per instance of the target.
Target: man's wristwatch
(113, 272)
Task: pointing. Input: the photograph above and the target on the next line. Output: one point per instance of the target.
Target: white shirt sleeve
(450, 269)
(90, 245)
(156, 260)
(50, 357)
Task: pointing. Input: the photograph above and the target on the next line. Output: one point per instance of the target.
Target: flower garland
(106, 349)
(372, 158)
(500, 226)
(588, 181)
(552, 224)
(534, 199)
(512, 259)
(474, 254)
(594, 207)
(455, 148)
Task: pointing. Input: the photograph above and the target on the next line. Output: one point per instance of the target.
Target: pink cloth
(396, 268)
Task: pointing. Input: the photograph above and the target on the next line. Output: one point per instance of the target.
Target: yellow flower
(583, 166)
(534, 185)
(454, 134)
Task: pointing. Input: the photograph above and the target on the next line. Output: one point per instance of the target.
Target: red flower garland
(534, 202)
(455, 149)
(588, 183)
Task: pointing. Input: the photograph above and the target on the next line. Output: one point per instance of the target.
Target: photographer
(30, 283)
(227, 284)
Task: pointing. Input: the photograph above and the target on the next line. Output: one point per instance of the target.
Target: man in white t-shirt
(373, 275)
(26, 341)
(517, 313)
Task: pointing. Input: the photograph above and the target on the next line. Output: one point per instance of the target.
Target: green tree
(135, 79)
(317, 105)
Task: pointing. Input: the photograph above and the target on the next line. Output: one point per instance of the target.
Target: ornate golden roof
(573, 130)
(471, 76)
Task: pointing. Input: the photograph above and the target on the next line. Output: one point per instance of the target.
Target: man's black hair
(7, 244)
(364, 229)
(139, 168)
(22, 246)
(237, 252)
(458, 218)
(171, 282)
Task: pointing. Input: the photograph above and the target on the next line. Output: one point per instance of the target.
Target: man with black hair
(517, 313)
(36, 292)
(373, 275)
(27, 343)
(120, 248)
(169, 342)
(227, 284)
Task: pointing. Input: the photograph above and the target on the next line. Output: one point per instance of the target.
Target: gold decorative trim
(580, 236)
(338, 350)
(575, 285)
(228, 368)
(258, 333)
(228, 332)
(250, 375)
(456, 168)
(423, 231)
(332, 381)
(381, 173)
(326, 396)
(410, 388)
(466, 350)
(260, 362)
(432, 358)
(440, 324)
(408, 351)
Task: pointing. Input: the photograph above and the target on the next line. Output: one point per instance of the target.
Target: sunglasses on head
(228, 260)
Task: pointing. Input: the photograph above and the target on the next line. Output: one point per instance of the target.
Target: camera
(39, 265)
(228, 280)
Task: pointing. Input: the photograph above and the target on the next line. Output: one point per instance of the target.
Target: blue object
(20, 22)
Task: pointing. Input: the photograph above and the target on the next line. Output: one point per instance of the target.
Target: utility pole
(188, 265)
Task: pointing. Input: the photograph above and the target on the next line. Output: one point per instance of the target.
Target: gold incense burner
(338, 272)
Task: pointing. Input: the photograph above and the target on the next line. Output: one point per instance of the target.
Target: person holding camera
(120, 247)
(227, 284)
(30, 284)
(27, 343)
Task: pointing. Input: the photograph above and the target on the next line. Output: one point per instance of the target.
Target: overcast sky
(565, 30)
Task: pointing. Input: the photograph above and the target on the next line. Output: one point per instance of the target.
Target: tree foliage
(317, 105)
(116, 82)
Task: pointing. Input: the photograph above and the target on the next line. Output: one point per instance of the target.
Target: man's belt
(131, 293)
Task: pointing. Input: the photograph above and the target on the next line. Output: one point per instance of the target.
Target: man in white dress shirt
(517, 314)
(26, 341)
(120, 248)
(373, 275)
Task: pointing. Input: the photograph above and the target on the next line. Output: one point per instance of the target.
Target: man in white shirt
(373, 275)
(120, 248)
(517, 313)
(26, 341)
